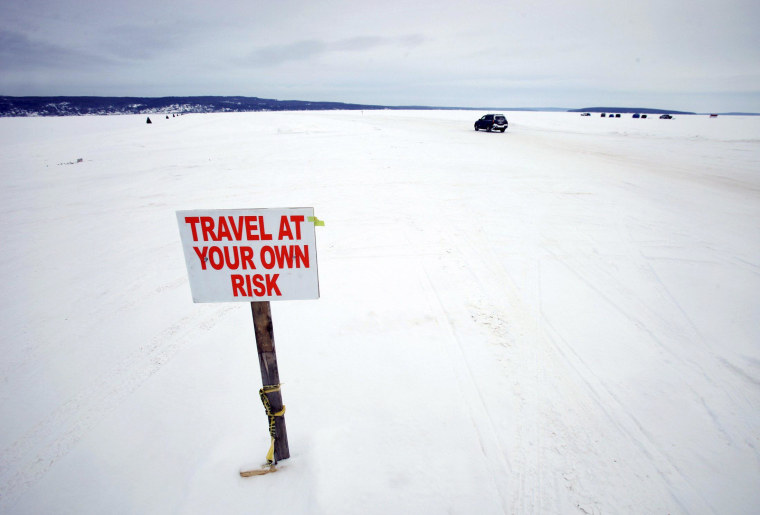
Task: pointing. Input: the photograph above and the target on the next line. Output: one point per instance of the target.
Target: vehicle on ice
(492, 122)
(665, 117)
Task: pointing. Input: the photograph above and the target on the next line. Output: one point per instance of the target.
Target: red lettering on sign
(285, 231)
(232, 257)
(233, 261)
(226, 228)
(192, 220)
(264, 235)
(251, 228)
(258, 287)
(207, 227)
(223, 231)
(285, 256)
(237, 231)
(216, 258)
(237, 286)
(272, 285)
(302, 255)
(298, 220)
(202, 256)
(266, 257)
(255, 285)
(246, 256)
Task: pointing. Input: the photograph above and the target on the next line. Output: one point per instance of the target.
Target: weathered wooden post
(270, 376)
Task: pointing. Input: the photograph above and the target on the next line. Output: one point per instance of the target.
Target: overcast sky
(696, 55)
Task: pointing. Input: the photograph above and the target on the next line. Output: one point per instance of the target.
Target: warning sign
(250, 254)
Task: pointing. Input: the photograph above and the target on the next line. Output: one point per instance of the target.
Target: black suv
(492, 122)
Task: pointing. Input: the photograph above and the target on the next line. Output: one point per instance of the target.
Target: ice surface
(559, 319)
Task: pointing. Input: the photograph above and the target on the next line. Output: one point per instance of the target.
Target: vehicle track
(654, 325)
(524, 363)
(546, 443)
(493, 454)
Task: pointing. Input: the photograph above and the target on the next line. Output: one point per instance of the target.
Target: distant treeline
(642, 110)
(72, 106)
(75, 106)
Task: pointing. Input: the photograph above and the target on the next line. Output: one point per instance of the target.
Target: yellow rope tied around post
(268, 407)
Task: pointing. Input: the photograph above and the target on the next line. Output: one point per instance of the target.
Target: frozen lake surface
(559, 319)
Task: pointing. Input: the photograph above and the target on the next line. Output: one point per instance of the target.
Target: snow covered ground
(559, 319)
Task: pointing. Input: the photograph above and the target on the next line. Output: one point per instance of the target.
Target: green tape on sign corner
(317, 221)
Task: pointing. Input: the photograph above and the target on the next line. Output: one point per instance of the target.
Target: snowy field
(560, 319)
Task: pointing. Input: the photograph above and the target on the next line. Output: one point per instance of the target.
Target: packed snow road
(558, 319)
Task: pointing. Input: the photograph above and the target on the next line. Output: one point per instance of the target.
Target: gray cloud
(395, 51)
(142, 42)
(358, 44)
(274, 55)
(19, 52)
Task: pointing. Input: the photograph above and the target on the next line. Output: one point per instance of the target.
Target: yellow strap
(270, 454)
(268, 407)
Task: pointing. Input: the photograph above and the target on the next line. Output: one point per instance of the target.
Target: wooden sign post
(270, 376)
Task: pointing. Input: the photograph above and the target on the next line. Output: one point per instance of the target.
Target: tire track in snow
(604, 397)
(651, 322)
(500, 295)
(28, 459)
(539, 418)
(493, 454)
(609, 405)
(515, 354)
(699, 335)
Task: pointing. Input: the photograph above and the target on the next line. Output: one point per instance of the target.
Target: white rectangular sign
(236, 255)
